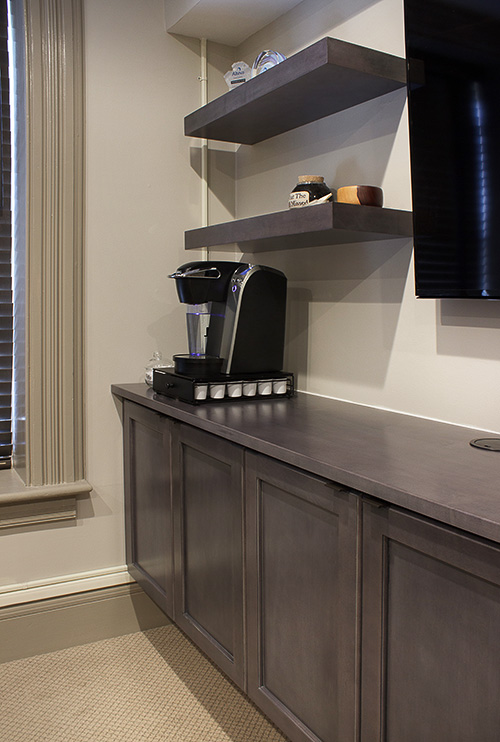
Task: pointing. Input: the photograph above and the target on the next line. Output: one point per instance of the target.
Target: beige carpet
(145, 687)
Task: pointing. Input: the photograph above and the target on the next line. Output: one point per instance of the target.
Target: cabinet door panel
(301, 601)
(148, 512)
(431, 640)
(209, 546)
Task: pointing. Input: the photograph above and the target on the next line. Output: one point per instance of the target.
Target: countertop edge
(473, 519)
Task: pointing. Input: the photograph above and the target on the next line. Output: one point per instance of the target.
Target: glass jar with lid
(308, 189)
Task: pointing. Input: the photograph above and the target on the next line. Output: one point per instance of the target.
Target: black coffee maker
(235, 326)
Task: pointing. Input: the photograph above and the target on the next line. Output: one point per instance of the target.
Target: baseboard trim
(29, 629)
(56, 587)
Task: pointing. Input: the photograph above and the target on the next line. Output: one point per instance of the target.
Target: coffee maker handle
(197, 273)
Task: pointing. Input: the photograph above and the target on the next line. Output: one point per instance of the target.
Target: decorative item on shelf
(310, 189)
(155, 361)
(322, 200)
(239, 72)
(265, 60)
(361, 194)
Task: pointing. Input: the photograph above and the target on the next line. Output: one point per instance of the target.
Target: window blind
(6, 308)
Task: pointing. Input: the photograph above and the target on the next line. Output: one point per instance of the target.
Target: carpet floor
(151, 686)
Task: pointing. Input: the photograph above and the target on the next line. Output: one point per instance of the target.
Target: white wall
(355, 329)
(141, 194)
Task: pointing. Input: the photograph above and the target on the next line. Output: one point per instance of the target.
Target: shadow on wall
(377, 119)
(343, 309)
(352, 146)
(297, 332)
(455, 316)
(306, 22)
(221, 174)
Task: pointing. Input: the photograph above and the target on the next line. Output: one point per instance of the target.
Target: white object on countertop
(200, 391)
(234, 389)
(249, 388)
(279, 386)
(265, 386)
(154, 362)
(217, 391)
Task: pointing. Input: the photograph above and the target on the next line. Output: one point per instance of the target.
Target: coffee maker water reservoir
(235, 325)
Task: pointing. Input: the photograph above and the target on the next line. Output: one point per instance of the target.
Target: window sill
(25, 506)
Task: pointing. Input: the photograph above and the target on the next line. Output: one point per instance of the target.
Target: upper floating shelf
(309, 226)
(324, 78)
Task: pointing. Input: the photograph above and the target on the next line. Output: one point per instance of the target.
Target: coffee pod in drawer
(279, 386)
(265, 386)
(234, 389)
(217, 391)
(200, 392)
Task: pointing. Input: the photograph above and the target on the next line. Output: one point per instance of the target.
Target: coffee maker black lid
(202, 281)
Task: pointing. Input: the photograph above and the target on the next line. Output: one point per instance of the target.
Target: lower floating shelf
(309, 226)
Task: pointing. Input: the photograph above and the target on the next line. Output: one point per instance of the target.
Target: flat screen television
(453, 52)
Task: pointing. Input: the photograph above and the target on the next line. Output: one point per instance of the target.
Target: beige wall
(355, 329)
(141, 193)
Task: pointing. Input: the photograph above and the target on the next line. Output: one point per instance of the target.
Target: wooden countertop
(426, 467)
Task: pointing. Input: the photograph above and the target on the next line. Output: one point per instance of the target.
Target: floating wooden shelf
(325, 78)
(309, 226)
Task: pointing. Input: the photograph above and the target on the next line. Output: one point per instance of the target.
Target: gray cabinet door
(301, 599)
(148, 508)
(431, 632)
(208, 507)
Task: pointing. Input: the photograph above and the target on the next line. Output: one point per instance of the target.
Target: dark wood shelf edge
(312, 226)
(326, 77)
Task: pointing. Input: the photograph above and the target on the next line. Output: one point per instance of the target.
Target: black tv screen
(453, 52)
